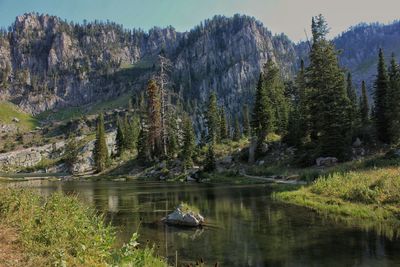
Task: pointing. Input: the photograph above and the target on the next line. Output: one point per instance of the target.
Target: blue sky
(288, 16)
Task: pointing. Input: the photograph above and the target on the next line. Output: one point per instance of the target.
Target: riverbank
(60, 231)
(372, 195)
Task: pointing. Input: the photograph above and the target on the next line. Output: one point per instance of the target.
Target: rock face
(47, 63)
(184, 218)
(326, 161)
(33, 156)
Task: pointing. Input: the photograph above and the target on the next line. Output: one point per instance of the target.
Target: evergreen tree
(303, 110)
(352, 96)
(261, 122)
(120, 138)
(212, 117)
(381, 108)
(246, 121)
(393, 103)
(210, 163)
(223, 125)
(100, 149)
(143, 143)
(188, 143)
(154, 119)
(328, 101)
(172, 132)
(364, 106)
(71, 152)
(237, 134)
(294, 135)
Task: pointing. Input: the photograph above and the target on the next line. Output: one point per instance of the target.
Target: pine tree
(381, 88)
(100, 149)
(154, 119)
(352, 96)
(120, 138)
(364, 106)
(212, 117)
(172, 133)
(223, 125)
(261, 122)
(71, 152)
(303, 110)
(327, 96)
(237, 134)
(393, 103)
(210, 163)
(188, 143)
(143, 143)
(246, 121)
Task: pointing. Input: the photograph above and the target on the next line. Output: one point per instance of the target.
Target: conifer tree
(172, 133)
(352, 96)
(213, 119)
(237, 134)
(100, 149)
(143, 143)
(246, 121)
(210, 163)
(364, 106)
(302, 110)
(393, 103)
(120, 138)
(330, 106)
(188, 143)
(381, 108)
(262, 119)
(223, 125)
(154, 119)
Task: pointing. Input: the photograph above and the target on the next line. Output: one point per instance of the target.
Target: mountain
(359, 48)
(48, 63)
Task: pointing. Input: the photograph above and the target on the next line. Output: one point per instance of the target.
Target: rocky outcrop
(33, 156)
(182, 217)
(326, 161)
(49, 63)
(85, 162)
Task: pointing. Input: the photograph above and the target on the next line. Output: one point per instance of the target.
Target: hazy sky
(288, 16)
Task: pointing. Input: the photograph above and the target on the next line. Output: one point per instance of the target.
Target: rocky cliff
(48, 63)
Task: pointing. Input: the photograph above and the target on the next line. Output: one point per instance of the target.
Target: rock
(261, 162)
(15, 120)
(357, 142)
(264, 148)
(326, 161)
(190, 179)
(183, 217)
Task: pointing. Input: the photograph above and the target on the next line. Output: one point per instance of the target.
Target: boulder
(15, 120)
(326, 161)
(357, 142)
(182, 216)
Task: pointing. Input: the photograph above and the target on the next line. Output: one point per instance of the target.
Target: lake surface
(245, 227)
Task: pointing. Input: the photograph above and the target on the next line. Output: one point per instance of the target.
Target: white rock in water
(178, 217)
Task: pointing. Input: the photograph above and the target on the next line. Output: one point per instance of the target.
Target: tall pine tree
(188, 143)
(223, 125)
(330, 106)
(364, 106)
(381, 107)
(393, 103)
(213, 120)
(100, 148)
(246, 121)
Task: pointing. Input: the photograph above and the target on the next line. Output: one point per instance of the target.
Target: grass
(60, 231)
(9, 111)
(368, 194)
(186, 208)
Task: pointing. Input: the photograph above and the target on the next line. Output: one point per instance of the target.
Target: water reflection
(245, 227)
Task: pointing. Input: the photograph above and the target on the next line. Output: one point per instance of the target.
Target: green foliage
(393, 103)
(60, 231)
(120, 138)
(188, 143)
(210, 163)
(381, 108)
(213, 119)
(329, 106)
(9, 111)
(237, 134)
(71, 151)
(364, 106)
(223, 125)
(101, 156)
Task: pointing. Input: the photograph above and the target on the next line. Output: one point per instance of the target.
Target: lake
(245, 226)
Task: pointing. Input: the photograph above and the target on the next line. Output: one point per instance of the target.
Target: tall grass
(60, 231)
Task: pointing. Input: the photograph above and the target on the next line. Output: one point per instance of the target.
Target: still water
(245, 227)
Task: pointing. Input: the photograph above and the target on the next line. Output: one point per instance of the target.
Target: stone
(190, 179)
(326, 161)
(181, 218)
(357, 142)
(15, 120)
(227, 160)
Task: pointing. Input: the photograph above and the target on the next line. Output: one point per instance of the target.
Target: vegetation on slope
(9, 111)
